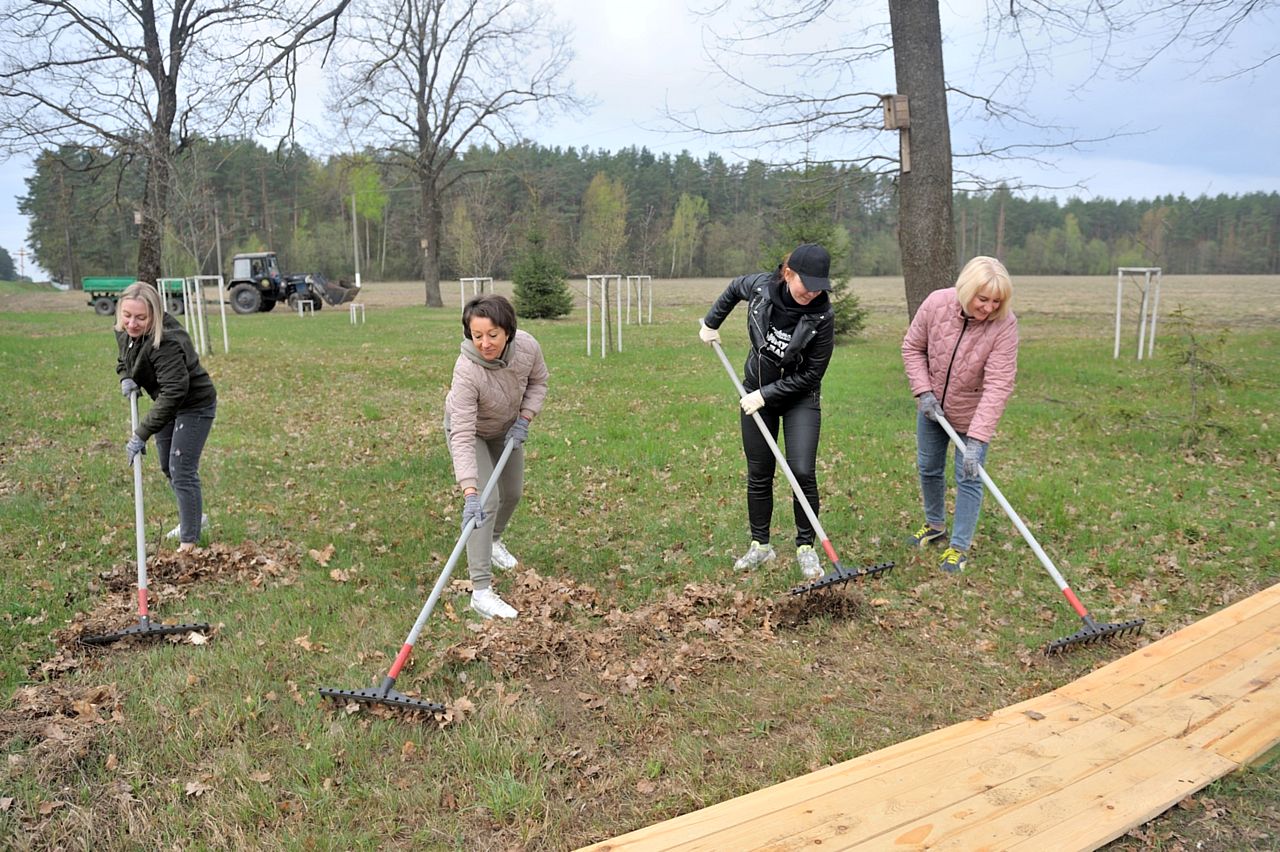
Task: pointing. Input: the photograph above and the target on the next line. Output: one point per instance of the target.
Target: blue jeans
(179, 445)
(931, 459)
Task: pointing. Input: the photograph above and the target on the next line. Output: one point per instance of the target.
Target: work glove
(128, 386)
(752, 402)
(972, 457)
(927, 404)
(708, 334)
(135, 447)
(519, 432)
(471, 510)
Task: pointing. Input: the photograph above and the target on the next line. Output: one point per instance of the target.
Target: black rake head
(841, 575)
(379, 695)
(144, 629)
(1094, 632)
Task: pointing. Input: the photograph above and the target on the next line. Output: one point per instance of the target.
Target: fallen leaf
(197, 788)
(260, 777)
(339, 575)
(322, 556)
(1032, 714)
(197, 638)
(112, 762)
(407, 750)
(46, 808)
(645, 787)
(6, 803)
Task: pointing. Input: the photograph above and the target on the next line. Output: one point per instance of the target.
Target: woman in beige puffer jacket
(961, 357)
(499, 385)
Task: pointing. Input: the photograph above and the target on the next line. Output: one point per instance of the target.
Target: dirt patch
(59, 720)
(566, 631)
(169, 575)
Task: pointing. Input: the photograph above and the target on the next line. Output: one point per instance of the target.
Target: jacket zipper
(946, 385)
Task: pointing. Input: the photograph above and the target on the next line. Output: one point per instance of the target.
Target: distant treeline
(683, 216)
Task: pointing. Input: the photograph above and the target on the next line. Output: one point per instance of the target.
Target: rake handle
(1017, 522)
(139, 526)
(443, 579)
(777, 453)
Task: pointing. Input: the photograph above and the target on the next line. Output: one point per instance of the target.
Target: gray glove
(927, 404)
(471, 510)
(135, 447)
(972, 457)
(519, 431)
(128, 386)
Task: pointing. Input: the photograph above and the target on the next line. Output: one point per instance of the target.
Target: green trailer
(104, 291)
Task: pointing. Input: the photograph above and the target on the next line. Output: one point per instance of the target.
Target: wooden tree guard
(1072, 769)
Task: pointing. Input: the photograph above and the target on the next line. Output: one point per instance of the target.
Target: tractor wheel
(268, 304)
(316, 303)
(104, 306)
(245, 299)
(175, 306)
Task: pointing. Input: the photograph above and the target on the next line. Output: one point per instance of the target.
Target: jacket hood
(470, 352)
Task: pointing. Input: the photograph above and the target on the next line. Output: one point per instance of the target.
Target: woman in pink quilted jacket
(961, 355)
(499, 385)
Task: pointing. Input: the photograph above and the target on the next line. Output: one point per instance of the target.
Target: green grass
(331, 434)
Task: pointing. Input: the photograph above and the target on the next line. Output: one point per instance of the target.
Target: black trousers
(801, 426)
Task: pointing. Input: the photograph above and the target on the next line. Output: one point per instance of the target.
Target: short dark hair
(492, 307)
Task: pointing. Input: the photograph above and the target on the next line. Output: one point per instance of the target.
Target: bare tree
(831, 108)
(428, 76)
(142, 80)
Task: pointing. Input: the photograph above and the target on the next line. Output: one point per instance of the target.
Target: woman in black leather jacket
(791, 327)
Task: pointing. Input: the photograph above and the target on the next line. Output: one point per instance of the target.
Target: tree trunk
(151, 231)
(431, 216)
(925, 234)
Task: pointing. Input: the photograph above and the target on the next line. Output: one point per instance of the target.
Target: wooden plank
(1072, 769)
(870, 804)
(1143, 671)
(795, 793)
(1125, 796)
(1181, 705)
(1055, 805)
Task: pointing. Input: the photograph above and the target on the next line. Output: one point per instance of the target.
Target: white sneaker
(757, 554)
(177, 531)
(487, 603)
(502, 557)
(810, 567)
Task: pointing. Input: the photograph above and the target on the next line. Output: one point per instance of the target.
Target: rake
(1092, 631)
(840, 574)
(385, 692)
(145, 626)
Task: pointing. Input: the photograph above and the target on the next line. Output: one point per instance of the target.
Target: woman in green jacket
(156, 356)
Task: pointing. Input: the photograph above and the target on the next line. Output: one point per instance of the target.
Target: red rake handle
(1017, 522)
(782, 461)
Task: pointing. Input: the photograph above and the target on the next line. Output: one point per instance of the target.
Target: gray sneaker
(926, 535)
(807, 558)
(757, 554)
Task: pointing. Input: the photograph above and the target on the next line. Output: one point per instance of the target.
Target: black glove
(128, 386)
(135, 447)
(519, 431)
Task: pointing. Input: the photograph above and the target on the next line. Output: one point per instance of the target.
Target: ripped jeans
(179, 445)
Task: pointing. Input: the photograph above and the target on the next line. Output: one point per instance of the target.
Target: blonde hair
(144, 292)
(984, 273)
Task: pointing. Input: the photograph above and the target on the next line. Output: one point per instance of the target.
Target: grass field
(645, 677)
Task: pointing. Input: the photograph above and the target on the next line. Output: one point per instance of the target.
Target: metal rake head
(841, 575)
(390, 697)
(144, 629)
(1094, 632)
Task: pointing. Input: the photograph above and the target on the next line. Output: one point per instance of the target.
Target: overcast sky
(1194, 129)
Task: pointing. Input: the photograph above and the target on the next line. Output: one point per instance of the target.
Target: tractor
(257, 285)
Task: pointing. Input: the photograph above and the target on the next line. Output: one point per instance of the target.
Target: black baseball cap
(813, 264)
